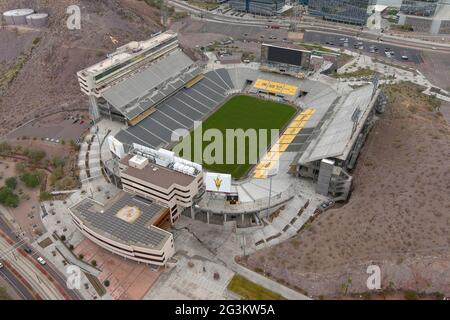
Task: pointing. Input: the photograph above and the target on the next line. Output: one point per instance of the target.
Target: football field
(241, 112)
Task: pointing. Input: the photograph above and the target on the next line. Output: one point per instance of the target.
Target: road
(26, 268)
(334, 40)
(316, 26)
(16, 284)
(29, 269)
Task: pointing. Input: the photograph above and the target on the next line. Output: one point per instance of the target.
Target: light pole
(272, 172)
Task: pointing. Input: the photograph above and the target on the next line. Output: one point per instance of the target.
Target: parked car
(324, 206)
(1, 265)
(41, 260)
(27, 250)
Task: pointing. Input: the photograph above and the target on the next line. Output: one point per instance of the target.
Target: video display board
(284, 55)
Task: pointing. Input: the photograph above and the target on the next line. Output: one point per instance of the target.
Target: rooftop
(157, 175)
(126, 219)
(285, 45)
(341, 129)
(128, 51)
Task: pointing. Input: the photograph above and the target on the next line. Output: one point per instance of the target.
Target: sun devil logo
(218, 182)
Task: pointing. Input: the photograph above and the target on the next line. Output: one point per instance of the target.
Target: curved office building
(263, 7)
(346, 11)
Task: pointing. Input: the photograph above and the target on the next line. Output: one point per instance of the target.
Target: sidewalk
(286, 292)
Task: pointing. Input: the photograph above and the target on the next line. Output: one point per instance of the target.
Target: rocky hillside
(38, 67)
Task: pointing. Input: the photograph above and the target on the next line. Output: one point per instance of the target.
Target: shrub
(5, 147)
(57, 174)
(20, 168)
(31, 180)
(75, 146)
(11, 183)
(45, 196)
(58, 161)
(35, 155)
(411, 295)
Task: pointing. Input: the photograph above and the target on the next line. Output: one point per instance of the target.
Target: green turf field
(243, 112)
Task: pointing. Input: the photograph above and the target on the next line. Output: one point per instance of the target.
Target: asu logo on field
(218, 182)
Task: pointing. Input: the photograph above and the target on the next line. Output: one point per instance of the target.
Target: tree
(94, 263)
(8, 197)
(31, 180)
(11, 183)
(106, 283)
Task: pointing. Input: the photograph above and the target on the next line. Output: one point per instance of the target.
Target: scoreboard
(286, 56)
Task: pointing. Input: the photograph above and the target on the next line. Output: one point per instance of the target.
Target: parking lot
(376, 48)
(55, 128)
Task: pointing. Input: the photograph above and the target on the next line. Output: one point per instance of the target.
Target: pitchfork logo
(218, 182)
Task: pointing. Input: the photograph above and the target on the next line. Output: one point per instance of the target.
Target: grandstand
(204, 97)
(131, 83)
(180, 111)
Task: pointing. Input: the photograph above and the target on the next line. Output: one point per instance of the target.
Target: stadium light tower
(272, 172)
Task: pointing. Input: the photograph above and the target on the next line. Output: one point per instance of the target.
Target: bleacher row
(182, 109)
(197, 102)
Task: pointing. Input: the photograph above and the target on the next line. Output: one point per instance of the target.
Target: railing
(218, 205)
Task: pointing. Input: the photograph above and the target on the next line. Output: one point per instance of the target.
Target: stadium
(155, 90)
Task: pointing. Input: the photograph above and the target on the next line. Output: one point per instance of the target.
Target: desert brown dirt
(46, 79)
(398, 216)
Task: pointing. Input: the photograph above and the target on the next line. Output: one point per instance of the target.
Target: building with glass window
(263, 7)
(422, 8)
(431, 16)
(346, 11)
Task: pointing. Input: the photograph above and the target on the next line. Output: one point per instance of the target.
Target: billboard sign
(218, 182)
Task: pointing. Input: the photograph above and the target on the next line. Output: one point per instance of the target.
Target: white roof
(338, 135)
(125, 52)
(18, 12)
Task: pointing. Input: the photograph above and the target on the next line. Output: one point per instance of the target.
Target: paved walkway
(69, 256)
(221, 244)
